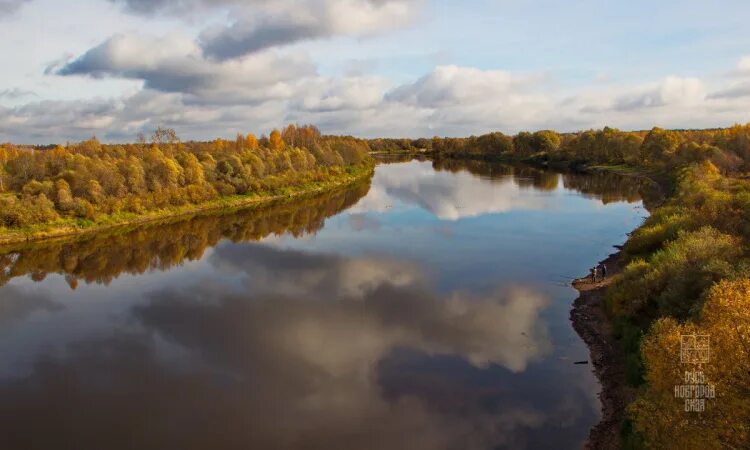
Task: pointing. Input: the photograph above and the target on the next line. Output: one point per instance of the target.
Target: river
(427, 308)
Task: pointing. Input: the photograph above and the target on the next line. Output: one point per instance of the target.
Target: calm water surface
(426, 310)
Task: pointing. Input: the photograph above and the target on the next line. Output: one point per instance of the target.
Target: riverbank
(73, 228)
(594, 326)
(606, 355)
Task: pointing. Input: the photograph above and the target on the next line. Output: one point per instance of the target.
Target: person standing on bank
(603, 270)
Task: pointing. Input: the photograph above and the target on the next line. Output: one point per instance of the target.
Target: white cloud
(325, 94)
(743, 66)
(669, 92)
(261, 24)
(175, 64)
(285, 22)
(450, 85)
(8, 7)
(176, 7)
(203, 99)
(461, 99)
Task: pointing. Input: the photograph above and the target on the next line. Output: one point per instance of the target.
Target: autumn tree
(725, 423)
(164, 136)
(275, 141)
(736, 139)
(659, 145)
(492, 143)
(546, 141)
(251, 142)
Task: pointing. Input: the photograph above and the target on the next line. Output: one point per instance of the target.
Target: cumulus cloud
(176, 7)
(457, 97)
(449, 85)
(262, 24)
(289, 22)
(175, 64)
(57, 118)
(736, 90)
(743, 66)
(326, 94)
(740, 84)
(202, 98)
(8, 7)
(16, 94)
(670, 91)
(121, 119)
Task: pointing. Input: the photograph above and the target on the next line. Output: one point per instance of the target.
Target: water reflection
(297, 359)
(604, 186)
(450, 190)
(17, 305)
(162, 246)
(267, 329)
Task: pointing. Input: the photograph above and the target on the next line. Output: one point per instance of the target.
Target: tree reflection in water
(100, 258)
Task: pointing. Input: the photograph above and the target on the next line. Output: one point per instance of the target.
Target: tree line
(659, 149)
(89, 180)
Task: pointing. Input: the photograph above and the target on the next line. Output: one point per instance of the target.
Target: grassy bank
(76, 226)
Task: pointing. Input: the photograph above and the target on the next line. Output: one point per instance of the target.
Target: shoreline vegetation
(684, 271)
(88, 187)
(139, 248)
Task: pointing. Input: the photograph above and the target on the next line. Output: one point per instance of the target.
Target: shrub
(673, 280)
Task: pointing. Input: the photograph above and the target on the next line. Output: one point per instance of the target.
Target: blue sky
(212, 68)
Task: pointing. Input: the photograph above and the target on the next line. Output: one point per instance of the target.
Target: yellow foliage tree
(660, 417)
(276, 142)
(251, 141)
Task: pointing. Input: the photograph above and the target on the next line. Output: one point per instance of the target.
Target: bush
(11, 213)
(673, 280)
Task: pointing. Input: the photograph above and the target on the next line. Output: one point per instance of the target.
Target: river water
(424, 309)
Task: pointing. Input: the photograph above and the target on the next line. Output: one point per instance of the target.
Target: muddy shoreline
(592, 324)
(607, 357)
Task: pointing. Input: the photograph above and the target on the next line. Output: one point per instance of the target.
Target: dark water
(428, 310)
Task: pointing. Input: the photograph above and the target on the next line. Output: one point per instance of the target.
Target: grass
(617, 168)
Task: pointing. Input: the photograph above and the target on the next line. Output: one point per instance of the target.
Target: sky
(369, 68)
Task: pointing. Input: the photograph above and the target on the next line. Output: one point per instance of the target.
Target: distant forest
(87, 180)
(727, 148)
